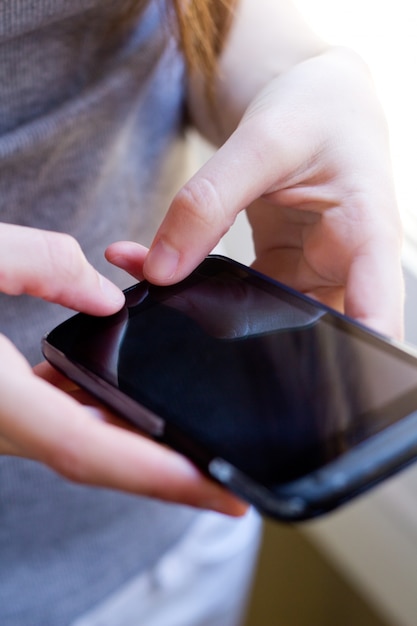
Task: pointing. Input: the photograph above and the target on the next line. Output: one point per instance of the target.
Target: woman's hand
(40, 417)
(310, 162)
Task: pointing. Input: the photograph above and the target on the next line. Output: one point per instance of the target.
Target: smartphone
(289, 404)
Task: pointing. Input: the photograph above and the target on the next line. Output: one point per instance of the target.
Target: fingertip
(128, 256)
(161, 263)
(233, 506)
(216, 497)
(125, 249)
(114, 297)
(189, 485)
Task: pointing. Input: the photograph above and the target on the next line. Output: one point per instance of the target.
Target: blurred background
(384, 34)
(356, 567)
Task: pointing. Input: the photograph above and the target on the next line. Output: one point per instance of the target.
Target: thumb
(206, 207)
(52, 266)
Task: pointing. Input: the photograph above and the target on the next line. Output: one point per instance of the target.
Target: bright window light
(384, 33)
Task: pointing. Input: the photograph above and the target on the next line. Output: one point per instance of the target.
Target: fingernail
(162, 261)
(111, 292)
(96, 413)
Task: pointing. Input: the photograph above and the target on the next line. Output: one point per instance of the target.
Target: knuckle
(63, 261)
(63, 251)
(42, 263)
(266, 135)
(199, 201)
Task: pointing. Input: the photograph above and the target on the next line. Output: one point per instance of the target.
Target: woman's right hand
(40, 421)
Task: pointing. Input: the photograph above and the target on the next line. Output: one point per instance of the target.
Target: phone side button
(291, 508)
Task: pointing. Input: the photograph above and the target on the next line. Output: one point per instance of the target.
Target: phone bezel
(322, 490)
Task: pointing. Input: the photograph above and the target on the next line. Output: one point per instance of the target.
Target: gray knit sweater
(90, 144)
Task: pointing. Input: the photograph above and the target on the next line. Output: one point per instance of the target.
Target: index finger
(52, 266)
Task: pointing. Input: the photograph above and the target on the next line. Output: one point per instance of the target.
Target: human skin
(44, 417)
(307, 155)
(304, 149)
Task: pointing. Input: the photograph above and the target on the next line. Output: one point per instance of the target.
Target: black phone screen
(275, 384)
